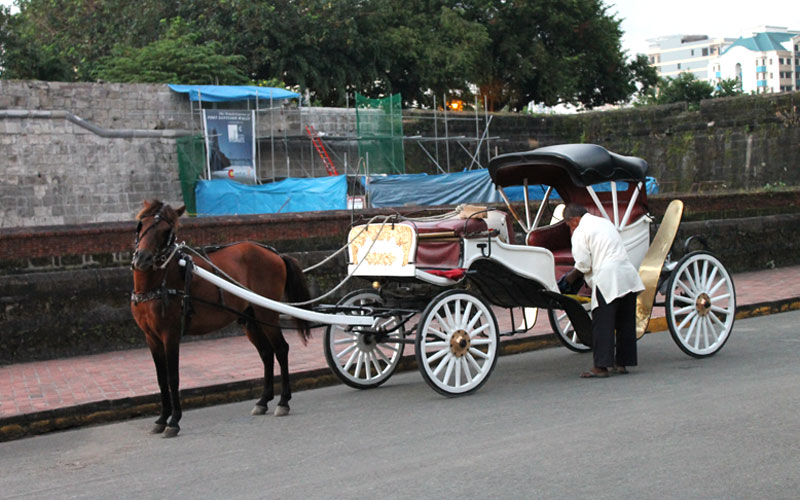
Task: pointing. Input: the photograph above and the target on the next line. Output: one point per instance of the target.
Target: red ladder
(316, 140)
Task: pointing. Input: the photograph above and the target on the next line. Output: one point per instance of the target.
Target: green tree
(551, 51)
(728, 87)
(683, 88)
(175, 58)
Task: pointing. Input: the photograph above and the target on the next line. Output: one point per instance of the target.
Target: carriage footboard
(505, 288)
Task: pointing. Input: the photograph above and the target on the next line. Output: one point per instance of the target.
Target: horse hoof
(158, 428)
(281, 411)
(258, 410)
(171, 432)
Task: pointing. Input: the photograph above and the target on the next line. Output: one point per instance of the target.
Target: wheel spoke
(720, 297)
(719, 309)
(350, 338)
(465, 367)
(465, 316)
(691, 282)
(449, 315)
(347, 350)
(685, 310)
(443, 363)
(482, 341)
(457, 370)
(721, 282)
(712, 330)
(457, 316)
(350, 361)
(473, 320)
(711, 277)
(475, 365)
(363, 361)
(436, 332)
(359, 362)
(687, 319)
(716, 320)
(437, 345)
(383, 357)
(479, 330)
(704, 281)
(480, 354)
(442, 323)
(376, 363)
(449, 371)
(690, 329)
(686, 290)
(684, 299)
(437, 355)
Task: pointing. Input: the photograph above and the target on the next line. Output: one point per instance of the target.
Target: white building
(676, 54)
(767, 61)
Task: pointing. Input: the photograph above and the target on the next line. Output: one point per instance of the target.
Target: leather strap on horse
(186, 304)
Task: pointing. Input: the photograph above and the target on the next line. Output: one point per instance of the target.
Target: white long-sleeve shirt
(600, 255)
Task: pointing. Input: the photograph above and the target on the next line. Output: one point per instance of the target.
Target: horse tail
(297, 291)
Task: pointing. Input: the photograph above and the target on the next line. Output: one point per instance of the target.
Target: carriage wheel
(456, 343)
(701, 304)
(356, 358)
(565, 332)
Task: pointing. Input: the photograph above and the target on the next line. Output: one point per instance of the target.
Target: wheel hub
(703, 304)
(459, 343)
(366, 341)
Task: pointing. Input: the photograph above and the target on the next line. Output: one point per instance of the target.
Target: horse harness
(163, 257)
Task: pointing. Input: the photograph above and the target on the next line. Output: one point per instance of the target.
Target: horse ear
(180, 210)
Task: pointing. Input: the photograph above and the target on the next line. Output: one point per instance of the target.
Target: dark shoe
(595, 373)
(620, 370)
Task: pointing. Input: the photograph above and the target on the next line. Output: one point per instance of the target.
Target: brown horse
(167, 303)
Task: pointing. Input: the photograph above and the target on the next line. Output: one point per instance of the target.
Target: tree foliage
(174, 58)
(513, 51)
(683, 88)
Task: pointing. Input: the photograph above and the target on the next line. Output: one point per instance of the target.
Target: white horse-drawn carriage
(437, 282)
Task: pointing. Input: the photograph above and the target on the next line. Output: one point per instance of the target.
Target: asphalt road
(676, 427)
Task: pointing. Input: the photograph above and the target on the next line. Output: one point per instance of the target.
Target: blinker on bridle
(162, 255)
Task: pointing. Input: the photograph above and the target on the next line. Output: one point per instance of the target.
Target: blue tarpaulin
(224, 197)
(474, 186)
(222, 93)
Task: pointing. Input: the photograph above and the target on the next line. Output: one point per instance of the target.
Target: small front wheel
(457, 343)
(701, 304)
(363, 360)
(562, 327)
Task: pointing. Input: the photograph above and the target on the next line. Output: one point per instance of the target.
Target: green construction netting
(379, 124)
(191, 166)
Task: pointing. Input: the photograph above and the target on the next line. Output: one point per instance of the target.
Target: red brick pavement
(31, 387)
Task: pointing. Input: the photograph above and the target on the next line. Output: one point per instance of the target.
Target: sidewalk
(48, 395)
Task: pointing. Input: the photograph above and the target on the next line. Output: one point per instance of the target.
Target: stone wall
(65, 290)
(90, 152)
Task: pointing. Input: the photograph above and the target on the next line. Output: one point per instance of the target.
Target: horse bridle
(162, 256)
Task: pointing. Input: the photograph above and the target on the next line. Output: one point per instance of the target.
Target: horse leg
(257, 338)
(172, 355)
(160, 360)
(281, 348)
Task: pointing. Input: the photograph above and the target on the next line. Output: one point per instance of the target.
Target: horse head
(155, 235)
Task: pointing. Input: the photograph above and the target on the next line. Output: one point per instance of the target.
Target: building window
(770, 61)
(705, 51)
(780, 60)
(679, 65)
(691, 52)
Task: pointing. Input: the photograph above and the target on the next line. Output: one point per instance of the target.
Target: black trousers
(619, 315)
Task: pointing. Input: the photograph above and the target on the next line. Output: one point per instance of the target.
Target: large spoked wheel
(363, 360)
(700, 304)
(564, 330)
(457, 343)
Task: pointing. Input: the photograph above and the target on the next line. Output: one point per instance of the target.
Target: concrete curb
(30, 424)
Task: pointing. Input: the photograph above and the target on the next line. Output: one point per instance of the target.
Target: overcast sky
(642, 19)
